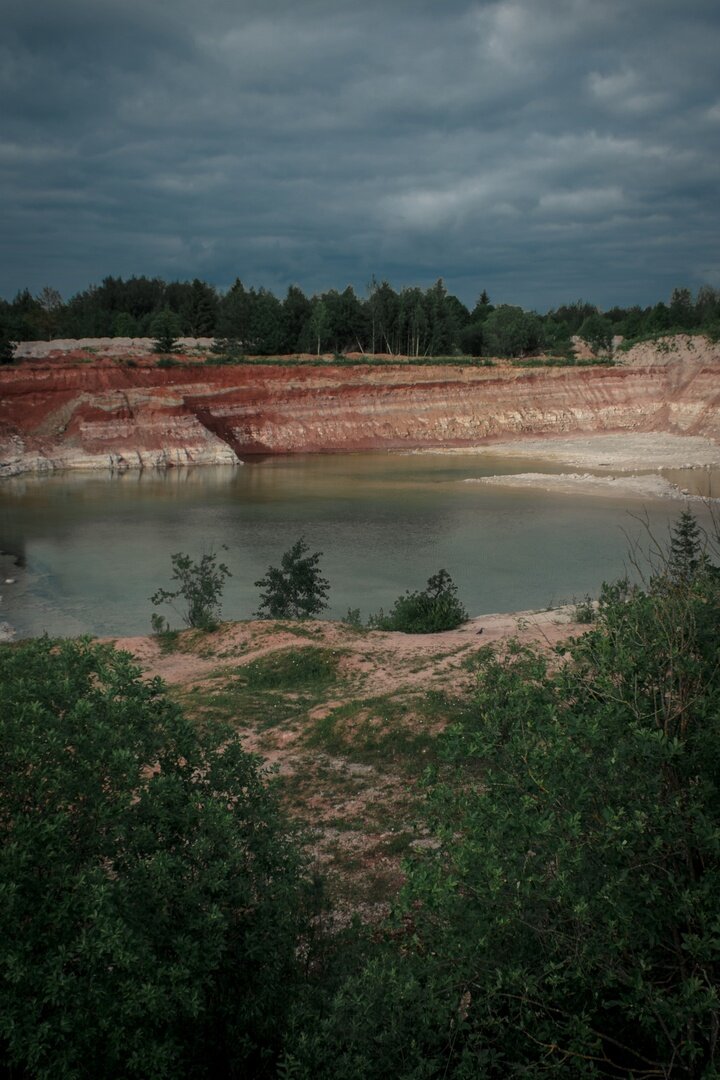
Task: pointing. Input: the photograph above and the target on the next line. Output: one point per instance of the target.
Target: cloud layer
(541, 149)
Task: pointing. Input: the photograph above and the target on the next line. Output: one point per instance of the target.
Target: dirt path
(348, 754)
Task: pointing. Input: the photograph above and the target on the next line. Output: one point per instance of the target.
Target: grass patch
(234, 705)
(268, 692)
(562, 361)
(292, 669)
(400, 732)
(354, 361)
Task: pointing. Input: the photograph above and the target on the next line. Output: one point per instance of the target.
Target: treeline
(410, 322)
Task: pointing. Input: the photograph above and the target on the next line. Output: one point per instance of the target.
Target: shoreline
(620, 451)
(638, 458)
(496, 624)
(623, 487)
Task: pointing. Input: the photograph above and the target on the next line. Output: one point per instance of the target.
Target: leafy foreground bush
(150, 896)
(568, 922)
(436, 608)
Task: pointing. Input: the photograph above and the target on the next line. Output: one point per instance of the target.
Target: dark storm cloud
(542, 149)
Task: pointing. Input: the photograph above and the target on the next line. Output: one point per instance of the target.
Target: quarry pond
(82, 552)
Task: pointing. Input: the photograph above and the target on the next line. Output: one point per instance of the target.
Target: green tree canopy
(510, 331)
(150, 895)
(597, 331)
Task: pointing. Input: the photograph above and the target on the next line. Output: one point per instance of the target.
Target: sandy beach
(633, 460)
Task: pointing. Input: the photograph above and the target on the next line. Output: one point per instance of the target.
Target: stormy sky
(544, 150)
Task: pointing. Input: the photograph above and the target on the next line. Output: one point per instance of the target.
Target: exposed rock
(63, 414)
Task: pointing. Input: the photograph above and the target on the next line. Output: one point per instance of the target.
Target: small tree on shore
(200, 584)
(687, 554)
(296, 589)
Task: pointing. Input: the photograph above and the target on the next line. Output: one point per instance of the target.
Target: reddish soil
(75, 410)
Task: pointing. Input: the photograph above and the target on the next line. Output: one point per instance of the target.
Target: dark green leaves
(150, 897)
(296, 589)
(200, 584)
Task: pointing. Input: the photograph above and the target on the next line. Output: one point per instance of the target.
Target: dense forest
(411, 322)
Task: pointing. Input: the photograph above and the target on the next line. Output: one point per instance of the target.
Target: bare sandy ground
(622, 452)
(380, 662)
(626, 453)
(360, 808)
(629, 487)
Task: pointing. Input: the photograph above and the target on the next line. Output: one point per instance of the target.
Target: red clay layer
(66, 412)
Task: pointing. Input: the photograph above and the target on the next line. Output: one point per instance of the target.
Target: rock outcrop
(61, 413)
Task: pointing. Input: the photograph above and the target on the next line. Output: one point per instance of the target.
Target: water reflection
(96, 546)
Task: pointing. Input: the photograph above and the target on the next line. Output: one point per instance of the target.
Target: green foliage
(165, 330)
(124, 325)
(382, 730)
(353, 619)
(597, 331)
(7, 349)
(296, 589)
(510, 331)
(687, 558)
(292, 669)
(151, 897)
(270, 691)
(567, 923)
(410, 322)
(200, 584)
(471, 339)
(585, 610)
(227, 350)
(436, 608)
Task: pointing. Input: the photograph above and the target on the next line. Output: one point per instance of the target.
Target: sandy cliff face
(62, 414)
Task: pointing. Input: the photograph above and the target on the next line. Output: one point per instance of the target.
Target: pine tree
(687, 556)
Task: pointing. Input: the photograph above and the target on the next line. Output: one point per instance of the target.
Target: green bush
(436, 608)
(567, 922)
(200, 585)
(151, 897)
(296, 589)
(7, 348)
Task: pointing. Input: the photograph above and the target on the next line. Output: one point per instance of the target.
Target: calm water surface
(87, 550)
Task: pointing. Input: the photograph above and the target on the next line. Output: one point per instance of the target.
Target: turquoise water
(87, 550)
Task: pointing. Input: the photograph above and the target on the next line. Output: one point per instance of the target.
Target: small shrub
(200, 585)
(166, 637)
(435, 609)
(353, 618)
(585, 610)
(296, 589)
(7, 349)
